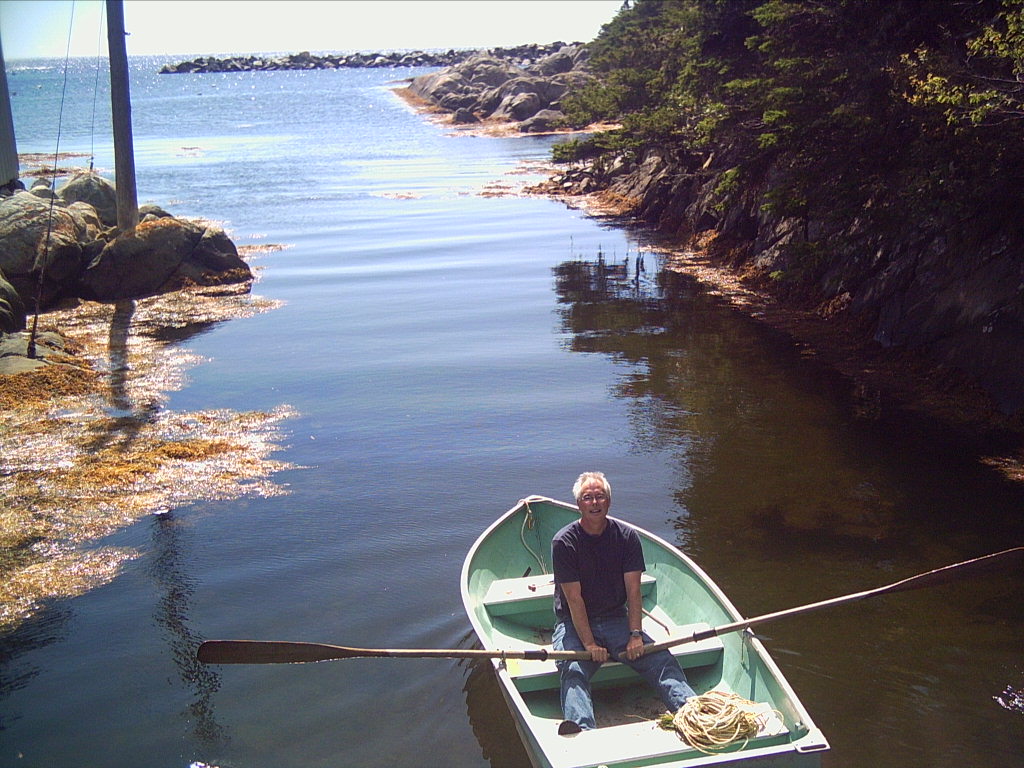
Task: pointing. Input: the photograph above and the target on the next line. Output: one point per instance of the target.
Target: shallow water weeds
(90, 448)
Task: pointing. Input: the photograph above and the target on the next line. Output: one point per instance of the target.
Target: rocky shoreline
(889, 385)
(489, 88)
(64, 245)
(481, 92)
(508, 87)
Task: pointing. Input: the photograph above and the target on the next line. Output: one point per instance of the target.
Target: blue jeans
(660, 670)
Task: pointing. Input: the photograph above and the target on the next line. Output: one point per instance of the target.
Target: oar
(284, 652)
(932, 578)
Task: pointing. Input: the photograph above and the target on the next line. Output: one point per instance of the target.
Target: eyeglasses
(591, 497)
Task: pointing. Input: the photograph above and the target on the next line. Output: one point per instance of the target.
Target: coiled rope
(714, 721)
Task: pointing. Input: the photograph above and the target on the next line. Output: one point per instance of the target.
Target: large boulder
(60, 247)
(558, 62)
(88, 225)
(37, 254)
(213, 261)
(139, 262)
(542, 122)
(486, 71)
(89, 187)
(161, 255)
(487, 85)
(518, 106)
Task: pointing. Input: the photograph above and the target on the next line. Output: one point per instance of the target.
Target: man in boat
(598, 562)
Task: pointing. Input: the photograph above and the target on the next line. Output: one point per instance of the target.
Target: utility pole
(121, 110)
(8, 146)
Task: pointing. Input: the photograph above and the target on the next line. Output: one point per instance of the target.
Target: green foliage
(729, 183)
(980, 84)
(892, 110)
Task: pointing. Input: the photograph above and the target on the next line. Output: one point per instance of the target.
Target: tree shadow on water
(170, 572)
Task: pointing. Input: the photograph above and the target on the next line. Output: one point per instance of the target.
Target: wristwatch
(635, 633)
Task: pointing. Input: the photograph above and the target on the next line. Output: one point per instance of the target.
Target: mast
(121, 110)
(8, 146)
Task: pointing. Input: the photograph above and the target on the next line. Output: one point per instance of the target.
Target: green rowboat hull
(507, 592)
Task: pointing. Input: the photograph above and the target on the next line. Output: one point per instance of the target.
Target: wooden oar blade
(286, 652)
(270, 652)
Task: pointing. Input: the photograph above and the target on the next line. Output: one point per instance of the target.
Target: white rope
(715, 721)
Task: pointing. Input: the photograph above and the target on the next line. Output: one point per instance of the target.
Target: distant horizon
(314, 51)
(47, 29)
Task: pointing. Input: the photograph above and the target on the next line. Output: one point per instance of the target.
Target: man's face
(593, 502)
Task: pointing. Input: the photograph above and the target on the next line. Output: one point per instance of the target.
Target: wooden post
(121, 109)
(8, 146)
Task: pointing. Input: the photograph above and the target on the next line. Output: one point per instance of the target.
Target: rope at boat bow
(530, 522)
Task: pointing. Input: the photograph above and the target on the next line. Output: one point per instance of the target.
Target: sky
(40, 28)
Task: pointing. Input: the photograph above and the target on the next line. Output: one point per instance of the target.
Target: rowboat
(507, 591)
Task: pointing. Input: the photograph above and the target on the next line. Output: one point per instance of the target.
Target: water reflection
(1011, 699)
(490, 718)
(38, 632)
(703, 385)
(177, 588)
(788, 491)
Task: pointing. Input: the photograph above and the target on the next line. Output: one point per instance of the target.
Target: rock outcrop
(487, 86)
(159, 255)
(63, 245)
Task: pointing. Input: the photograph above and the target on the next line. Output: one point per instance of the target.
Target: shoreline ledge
(892, 385)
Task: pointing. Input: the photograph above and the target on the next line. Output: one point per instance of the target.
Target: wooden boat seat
(530, 675)
(507, 597)
(533, 595)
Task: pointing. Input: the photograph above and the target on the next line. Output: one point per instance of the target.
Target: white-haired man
(598, 562)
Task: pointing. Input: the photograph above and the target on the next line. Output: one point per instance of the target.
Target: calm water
(448, 353)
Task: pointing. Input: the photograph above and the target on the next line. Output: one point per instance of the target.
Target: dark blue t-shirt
(598, 563)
